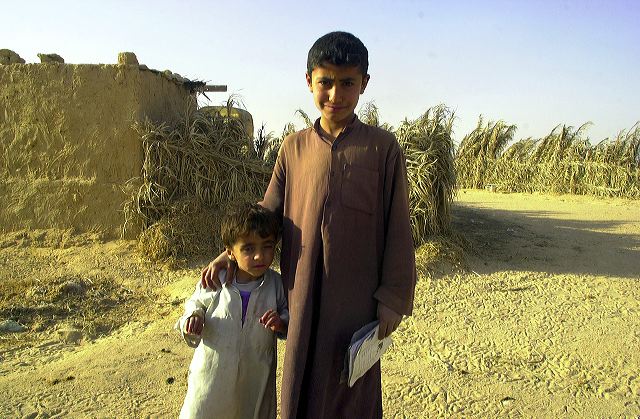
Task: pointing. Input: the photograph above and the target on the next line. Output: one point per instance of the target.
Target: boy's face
(253, 254)
(336, 90)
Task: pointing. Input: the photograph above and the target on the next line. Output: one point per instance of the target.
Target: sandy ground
(544, 323)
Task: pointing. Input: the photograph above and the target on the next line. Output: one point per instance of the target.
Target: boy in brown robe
(347, 251)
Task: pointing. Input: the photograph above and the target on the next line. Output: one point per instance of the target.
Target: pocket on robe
(359, 188)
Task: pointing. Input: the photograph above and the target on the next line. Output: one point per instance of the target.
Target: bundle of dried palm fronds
(192, 172)
(428, 149)
(479, 150)
(564, 161)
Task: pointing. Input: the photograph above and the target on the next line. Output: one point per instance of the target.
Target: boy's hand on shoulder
(210, 274)
(389, 321)
(194, 325)
(272, 320)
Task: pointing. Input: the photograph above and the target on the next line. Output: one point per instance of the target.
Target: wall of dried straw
(67, 147)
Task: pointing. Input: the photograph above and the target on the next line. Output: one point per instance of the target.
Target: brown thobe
(346, 246)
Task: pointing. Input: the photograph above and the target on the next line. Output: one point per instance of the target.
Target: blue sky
(535, 64)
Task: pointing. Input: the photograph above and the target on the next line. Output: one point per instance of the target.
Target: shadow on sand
(538, 241)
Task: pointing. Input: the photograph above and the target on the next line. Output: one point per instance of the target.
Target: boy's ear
(309, 81)
(365, 81)
(230, 254)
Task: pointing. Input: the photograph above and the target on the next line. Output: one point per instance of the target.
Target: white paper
(364, 351)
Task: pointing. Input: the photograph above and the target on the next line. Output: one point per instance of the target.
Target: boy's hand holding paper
(389, 321)
(364, 351)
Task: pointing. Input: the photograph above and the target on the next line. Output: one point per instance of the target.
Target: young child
(232, 374)
(347, 250)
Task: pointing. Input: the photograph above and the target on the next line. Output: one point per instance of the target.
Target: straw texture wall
(67, 146)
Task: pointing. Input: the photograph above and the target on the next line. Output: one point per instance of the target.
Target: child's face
(253, 254)
(336, 90)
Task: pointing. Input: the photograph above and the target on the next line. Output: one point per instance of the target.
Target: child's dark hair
(245, 219)
(338, 48)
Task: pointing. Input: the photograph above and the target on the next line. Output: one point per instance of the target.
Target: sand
(545, 322)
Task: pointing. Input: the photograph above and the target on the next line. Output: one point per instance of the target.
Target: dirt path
(546, 323)
(547, 326)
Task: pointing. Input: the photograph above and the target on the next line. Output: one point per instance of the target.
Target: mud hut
(67, 143)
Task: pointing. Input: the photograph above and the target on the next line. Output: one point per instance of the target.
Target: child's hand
(272, 320)
(194, 325)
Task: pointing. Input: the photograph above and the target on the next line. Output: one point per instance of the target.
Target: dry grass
(564, 161)
(187, 230)
(442, 254)
(428, 149)
(479, 149)
(191, 174)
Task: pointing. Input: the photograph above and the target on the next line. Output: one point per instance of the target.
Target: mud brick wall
(67, 143)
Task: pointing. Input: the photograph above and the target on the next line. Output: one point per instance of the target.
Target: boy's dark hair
(338, 48)
(246, 218)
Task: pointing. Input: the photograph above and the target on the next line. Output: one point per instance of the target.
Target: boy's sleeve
(274, 196)
(281, 301)
(398, 282)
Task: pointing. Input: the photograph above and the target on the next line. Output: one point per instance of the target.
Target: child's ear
(230, 254)
(365, 81)
(309, 81)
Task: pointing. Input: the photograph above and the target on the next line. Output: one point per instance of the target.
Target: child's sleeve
(197, 305)
(281, 301)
